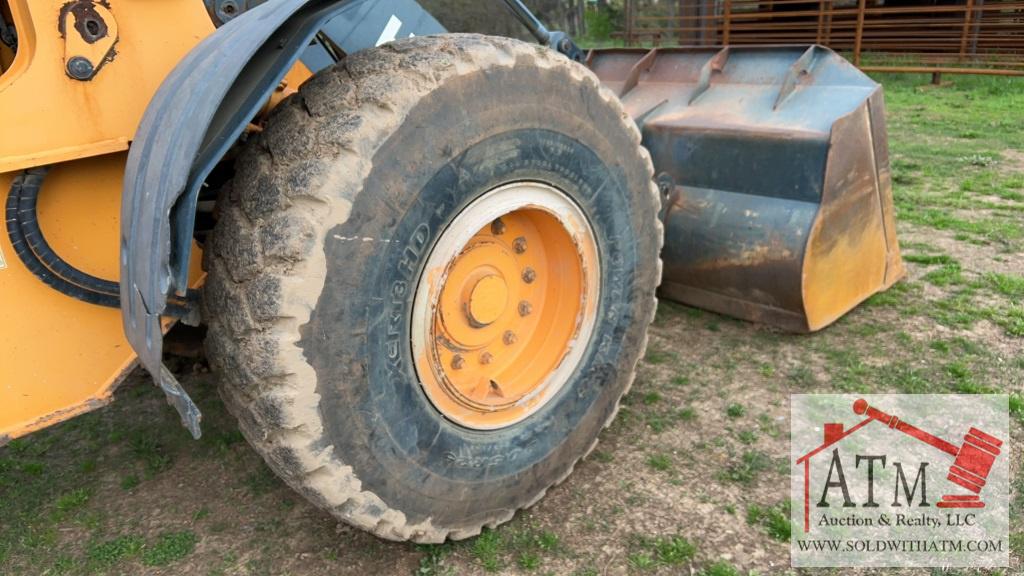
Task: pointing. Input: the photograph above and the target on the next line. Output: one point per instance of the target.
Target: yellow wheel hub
(487, 300)
(506, 305)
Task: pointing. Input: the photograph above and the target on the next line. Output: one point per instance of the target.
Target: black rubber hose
(39, 258)
(29, 222)
(32, 179)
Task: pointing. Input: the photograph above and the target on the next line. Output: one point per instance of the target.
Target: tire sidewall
(375, 413)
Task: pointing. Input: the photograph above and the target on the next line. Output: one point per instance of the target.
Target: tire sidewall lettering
(550, 157)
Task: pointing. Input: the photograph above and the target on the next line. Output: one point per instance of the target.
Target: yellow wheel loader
(425, 262)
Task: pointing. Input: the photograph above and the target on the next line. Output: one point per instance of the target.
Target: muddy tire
(323, 236)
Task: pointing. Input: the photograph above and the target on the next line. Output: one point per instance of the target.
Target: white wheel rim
(510, 199)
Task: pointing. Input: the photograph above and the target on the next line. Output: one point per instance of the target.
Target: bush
(600, 24)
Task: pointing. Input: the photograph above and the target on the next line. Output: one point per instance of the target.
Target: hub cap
(506, 305)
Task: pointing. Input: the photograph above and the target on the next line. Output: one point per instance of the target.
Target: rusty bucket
(775, 166)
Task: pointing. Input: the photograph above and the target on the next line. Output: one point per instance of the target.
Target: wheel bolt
(486, 358)
(458, 362)
(509, 338)
(525, 308)
(519, 245)
(529, 275)
(497, 227)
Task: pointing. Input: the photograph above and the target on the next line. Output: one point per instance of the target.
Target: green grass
(1017, 543)
(1017, 406)
(649, 553)
(673, 550)
(528, 561)
(130, 481)
(658, 422)
(660, 462)
(946, 275)
(101, 555)
(169, 547)
(147, 447)
(526, 547)
(773, 519)
(72, 500)
(802, 377)
(1011, 320)
(947, 163)
(52, 484)
(747, 437)
(641, 560)
(656, 356)
(929, 259)
(432, 563)
(735, 410)
(847, 368)
(747, 468)
(897, 296)
(261, 481)
(719, 569)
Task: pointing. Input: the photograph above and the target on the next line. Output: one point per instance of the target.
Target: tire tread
(273, 223)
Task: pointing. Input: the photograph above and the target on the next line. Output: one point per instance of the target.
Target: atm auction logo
(900, 480)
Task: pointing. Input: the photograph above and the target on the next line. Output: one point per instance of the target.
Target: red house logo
(972, 460)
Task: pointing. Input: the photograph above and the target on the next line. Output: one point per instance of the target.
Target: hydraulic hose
(29, 222)
(21, 209)
(38, 256)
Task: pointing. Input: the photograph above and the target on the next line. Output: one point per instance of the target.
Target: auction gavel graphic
(973, 460)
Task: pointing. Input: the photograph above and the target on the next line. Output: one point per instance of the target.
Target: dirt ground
(693, 476)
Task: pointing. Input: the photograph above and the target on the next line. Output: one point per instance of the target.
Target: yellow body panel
(49, 117)
(61, 356)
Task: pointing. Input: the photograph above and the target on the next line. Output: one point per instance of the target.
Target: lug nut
(509, 338)
(497, 227)
(519, 245)
(529, 275)
(525, 308)
(80, 68)
(458, 362)
(486, 358)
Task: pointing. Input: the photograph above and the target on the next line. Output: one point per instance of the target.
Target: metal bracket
(222, 11)
(714, 65)
(642, 65)
(801, 68)
(554, 39)
(90, 32)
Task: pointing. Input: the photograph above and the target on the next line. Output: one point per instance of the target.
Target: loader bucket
(775, 165)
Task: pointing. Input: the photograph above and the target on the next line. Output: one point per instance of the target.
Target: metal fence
(965, 36)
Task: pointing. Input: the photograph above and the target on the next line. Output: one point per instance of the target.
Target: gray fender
(196, 115)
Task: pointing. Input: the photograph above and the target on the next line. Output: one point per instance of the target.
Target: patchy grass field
(691, 478)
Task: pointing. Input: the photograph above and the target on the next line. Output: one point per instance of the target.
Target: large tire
(329, 219)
